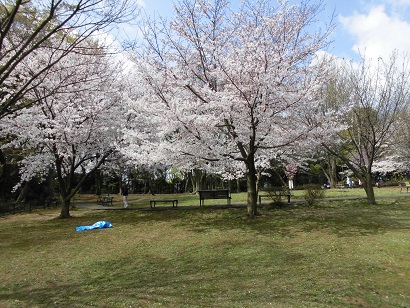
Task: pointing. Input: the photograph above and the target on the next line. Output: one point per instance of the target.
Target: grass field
(335, 254)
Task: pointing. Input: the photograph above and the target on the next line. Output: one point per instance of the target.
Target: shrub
(313, 192)
(275, 197)
(391, 182)
(276, 203)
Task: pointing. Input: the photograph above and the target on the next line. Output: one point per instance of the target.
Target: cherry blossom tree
(396, 155)
(75, 126)
(234, 86)
(32, 29)
(379, 93)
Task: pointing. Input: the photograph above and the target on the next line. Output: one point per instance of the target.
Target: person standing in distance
(124, 192)
(348, 182)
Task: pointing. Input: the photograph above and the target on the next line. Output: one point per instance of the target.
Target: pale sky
(373, 27)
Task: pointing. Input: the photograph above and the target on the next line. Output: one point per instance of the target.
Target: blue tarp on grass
(98, 225)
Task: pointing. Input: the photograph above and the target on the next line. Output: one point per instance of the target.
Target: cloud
(400, 3)
(111, 42)
(377, 34)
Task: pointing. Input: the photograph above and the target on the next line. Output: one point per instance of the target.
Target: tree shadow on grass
(356, 218)
(343, 218)
(349, 218)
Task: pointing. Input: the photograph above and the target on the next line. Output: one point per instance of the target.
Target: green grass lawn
(334, 254)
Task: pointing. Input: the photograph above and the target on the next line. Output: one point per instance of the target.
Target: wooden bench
(275, 194)
(104, 200)
(214, 194)
(174, 202)
(403, 185)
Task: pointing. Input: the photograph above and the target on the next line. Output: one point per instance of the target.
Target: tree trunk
(187, 178)
(65, 208)
(284, 184)
(333, 172)
(23, 193)
(368, 187)
(97, 182)
(251, 188)
(258, 179)
(197, 177)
